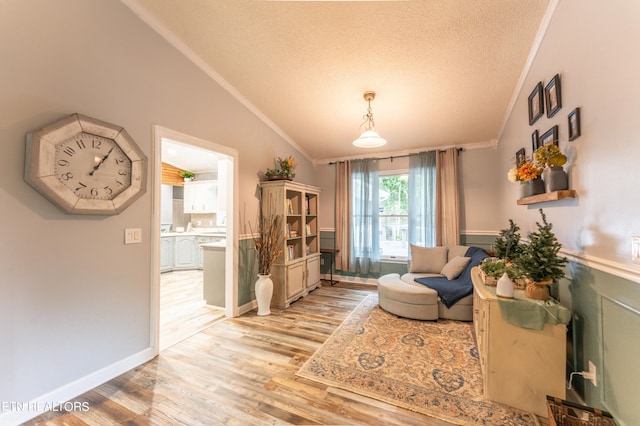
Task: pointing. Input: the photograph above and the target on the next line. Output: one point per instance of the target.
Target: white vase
(264, 291)
(505, 287)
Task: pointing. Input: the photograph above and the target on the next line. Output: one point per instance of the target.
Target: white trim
(542, 31)
(77, 387)
(248, 307)
(483, 233)
(610, 267)
(382, 155)
(175, 41)
(231, 252)
(327, 229)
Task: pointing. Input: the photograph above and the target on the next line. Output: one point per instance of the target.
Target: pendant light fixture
(369, 138)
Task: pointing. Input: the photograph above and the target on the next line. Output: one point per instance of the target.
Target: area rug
(430, 367)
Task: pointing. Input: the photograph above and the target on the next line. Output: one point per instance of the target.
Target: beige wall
(589, 44)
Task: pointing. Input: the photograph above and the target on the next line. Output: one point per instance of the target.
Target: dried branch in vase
(268, 240)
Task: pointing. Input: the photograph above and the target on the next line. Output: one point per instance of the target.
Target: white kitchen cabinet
(297, 271)
(186, 252)
(520, 366)
(200, 196)
(166, 253)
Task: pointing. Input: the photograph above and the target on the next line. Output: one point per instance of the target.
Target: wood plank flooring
(241, 371)
(183, 311)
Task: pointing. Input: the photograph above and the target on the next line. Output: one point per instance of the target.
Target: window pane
(394, 216)
(394, 236)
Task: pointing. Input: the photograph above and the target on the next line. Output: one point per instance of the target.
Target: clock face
(86, 166)
(92, 166)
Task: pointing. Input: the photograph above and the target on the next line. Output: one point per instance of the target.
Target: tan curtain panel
(447, 198)
(343, 214)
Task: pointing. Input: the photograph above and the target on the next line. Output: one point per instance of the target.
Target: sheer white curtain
(365, 241)
(422, 199)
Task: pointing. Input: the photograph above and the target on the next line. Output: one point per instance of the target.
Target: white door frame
(231, 258)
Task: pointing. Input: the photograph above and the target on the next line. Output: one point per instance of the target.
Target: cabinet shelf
(547, 196)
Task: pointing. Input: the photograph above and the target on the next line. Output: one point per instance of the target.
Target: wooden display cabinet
(297, 271)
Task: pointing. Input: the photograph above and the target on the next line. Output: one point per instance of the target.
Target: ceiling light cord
(368, 118)
(369, 138)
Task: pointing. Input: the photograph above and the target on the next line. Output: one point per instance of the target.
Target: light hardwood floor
(183, 311)
(241, 371)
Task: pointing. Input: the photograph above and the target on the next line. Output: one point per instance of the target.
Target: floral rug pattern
(424, 366)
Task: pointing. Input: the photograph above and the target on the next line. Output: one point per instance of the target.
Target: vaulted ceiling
(444, 71)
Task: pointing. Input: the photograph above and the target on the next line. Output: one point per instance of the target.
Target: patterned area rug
(428, 367)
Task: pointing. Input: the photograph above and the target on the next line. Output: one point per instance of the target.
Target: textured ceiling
(444, 70)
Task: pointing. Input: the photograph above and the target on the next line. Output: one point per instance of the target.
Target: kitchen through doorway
(194, 229)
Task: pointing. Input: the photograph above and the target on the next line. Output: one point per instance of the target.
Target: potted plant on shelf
(539, 261)
(268, 242)
(551, 159)
(284, 171)
(187, 175)
(528, 174)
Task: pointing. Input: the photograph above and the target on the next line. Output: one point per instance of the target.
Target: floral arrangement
(525, 172)
(549, 156)
(285, 168)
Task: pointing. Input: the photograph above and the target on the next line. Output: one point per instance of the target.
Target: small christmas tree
(507, 246)
(539, 260)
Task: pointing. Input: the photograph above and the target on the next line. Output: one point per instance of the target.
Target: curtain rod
(391, 157)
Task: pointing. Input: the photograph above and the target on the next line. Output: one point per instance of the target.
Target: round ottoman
(407, 300)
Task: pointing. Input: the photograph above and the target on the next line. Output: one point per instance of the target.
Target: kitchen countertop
(194, 233)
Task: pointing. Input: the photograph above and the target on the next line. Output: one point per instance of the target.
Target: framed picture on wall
(550, 136)
(574, 124)
(520, 157)
(535, 141)
(552, 95)
(536, 103)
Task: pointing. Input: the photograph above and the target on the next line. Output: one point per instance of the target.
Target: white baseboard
(247, 307)
(28, 410)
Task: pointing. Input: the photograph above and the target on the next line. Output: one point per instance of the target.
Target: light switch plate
(635, 249)
(132, 235)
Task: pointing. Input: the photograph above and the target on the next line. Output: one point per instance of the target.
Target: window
(394, 215)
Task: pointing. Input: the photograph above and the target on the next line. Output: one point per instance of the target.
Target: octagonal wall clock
(86, 166)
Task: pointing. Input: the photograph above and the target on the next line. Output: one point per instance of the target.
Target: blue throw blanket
(450, 291)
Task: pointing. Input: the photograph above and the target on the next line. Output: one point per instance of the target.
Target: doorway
(193, 252)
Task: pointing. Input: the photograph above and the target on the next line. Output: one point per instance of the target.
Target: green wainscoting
(606, 330)
(327, 240)
(247, 271)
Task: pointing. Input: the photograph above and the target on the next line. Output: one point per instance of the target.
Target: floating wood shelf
(547, 196)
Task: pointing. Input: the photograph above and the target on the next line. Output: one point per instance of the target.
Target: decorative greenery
(285, 168)
(527, 171)
(507, 246)
(187, 174)
(539, 260)
(268, 238)
(495, 267)
(549, 156)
